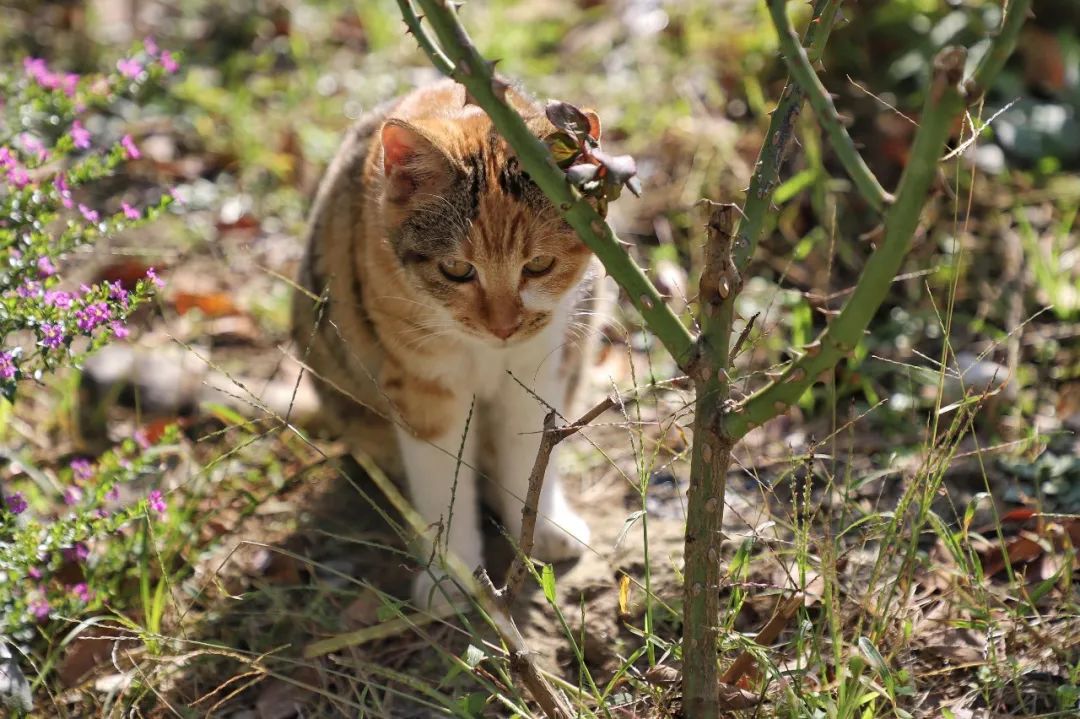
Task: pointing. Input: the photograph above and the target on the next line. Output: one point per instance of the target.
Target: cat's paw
(561, 536)
(436, 593)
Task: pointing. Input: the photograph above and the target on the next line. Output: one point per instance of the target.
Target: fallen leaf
(211, 304)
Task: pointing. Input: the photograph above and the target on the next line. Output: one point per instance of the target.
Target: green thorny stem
(717, 425)
(945, 99)
(487, 91)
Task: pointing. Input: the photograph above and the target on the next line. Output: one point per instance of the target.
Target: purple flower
(39, 608)
(7, 366)
(130, 212)
(152, 276)
(82, 592)
(80, 135)
(91, 316)
(16, 504)
(82, 469)
(129, 67)
(77, 552)
(30, 288)
(62, 189)
(33, 146)
(52, 335)
(157, 502)
(151, 46)
(90, 215)
(72, 496)
(117, 291)
(130, 149)
(45, 267)
(169, 62)
(119, 331)
(18, 177)
(34, 573)
(58, 298)
(37, 69)
(7, 159)
(69, 84)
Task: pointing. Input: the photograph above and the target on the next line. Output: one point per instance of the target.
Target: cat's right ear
(412, 162)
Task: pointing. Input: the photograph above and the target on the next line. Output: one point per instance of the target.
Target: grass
(881, 502)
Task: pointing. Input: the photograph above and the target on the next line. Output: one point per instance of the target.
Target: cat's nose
(504, 331)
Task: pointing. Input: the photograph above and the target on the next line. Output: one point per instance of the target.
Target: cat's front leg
(561, 533)
(443, 490)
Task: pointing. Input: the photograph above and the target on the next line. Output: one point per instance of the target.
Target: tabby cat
(438, 281)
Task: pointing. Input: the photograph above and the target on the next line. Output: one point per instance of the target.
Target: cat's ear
(412, 162)
(594, 124)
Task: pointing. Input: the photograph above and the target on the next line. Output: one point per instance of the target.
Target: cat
(438, 283)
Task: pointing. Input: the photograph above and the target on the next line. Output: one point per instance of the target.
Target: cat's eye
(457, 271)
(539, 265)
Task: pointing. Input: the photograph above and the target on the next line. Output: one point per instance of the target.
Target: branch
(767, 168)
(551, 437)
(475, 73)
(944, 102)
(427, 44)
(800, 69)
(522, 665)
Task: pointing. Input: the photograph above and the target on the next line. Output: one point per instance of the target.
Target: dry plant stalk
(553, 434)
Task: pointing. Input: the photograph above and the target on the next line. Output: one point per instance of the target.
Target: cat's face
(475, 237)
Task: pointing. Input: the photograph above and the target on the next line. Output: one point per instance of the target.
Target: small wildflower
(130, 212)
(30, 288)
(62, 189)
(18, 177)
(7, 366)
(7, 159)
(80, 135)
(16, 504)
(117, 291)
(113, 494)
(130, 149)
(141, 439)
(77, 552)
(82, 469)
(152, 276)
(129, 67)
(45, 267)
(89, 317)
(69, 84)
(72, 496)
(34, 573)
(90, 215)
(157, 502)
(52, 335)
(82, 592)
(39, 608)
(151, 46)
(33, 146)
(119, 331)
(168, 62)
(58, 298)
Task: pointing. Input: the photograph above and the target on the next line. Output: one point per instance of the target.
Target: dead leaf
(94, 648)
(732, 698)
(211, 304)
(663, 676)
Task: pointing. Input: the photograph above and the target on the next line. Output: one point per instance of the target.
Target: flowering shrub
(54, 146)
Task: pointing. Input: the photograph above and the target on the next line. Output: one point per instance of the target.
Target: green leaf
(564, 148)
(872, 655)
(547, 582)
